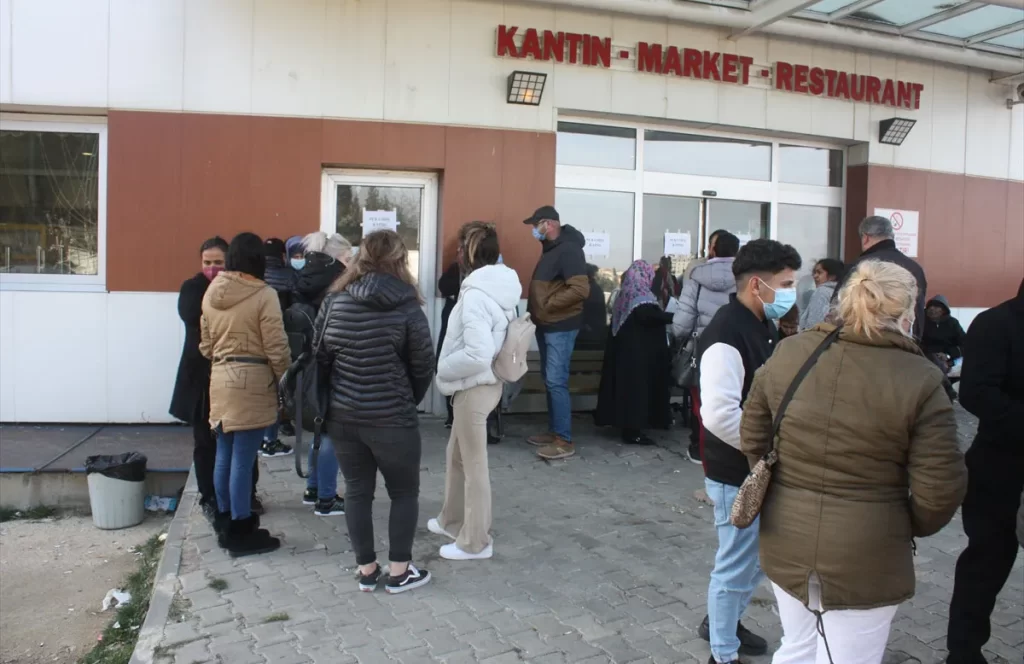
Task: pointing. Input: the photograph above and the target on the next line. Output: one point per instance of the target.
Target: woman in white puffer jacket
(476, 331)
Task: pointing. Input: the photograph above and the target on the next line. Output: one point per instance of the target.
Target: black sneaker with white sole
(368, 582)
(274, 448)
(693, 453)
(413, 578)
(309, 497)
(750, 643)
(330, 507)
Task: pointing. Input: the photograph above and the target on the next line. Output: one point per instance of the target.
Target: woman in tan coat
(243, 336)
(867, 460)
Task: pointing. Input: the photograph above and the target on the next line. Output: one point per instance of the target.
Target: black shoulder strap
(799, 378)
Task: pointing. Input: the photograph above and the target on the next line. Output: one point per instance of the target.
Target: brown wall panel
(143, 198)
(941, 258)
(1014, 240)
(177, 179)
(856, 208)
(984, 229)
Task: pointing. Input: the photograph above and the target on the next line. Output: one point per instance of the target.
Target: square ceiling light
(894, 130)
(526, 87)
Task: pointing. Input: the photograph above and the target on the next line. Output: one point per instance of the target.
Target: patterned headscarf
(636, 290)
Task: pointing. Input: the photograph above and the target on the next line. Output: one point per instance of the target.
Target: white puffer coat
(476, 328)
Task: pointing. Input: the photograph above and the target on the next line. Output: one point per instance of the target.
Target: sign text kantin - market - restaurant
(594, 51)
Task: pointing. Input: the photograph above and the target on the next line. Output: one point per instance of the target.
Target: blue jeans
(271, 432)
(325, 480)
(232, 472)
(736, 574)
(555, 355)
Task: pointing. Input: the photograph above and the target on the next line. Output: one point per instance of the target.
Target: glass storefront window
(595, 145)
(744, 219)
(406, 202)
(49, 218)
(608, 212)
(815, 166)
(815, 233)
(686, 154)
(670, 214)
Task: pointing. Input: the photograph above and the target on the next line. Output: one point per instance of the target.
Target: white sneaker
(434, 526)
(453, 552)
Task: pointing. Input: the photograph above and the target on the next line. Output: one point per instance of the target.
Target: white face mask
(906, 326)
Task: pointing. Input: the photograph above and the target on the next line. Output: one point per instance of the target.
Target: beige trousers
(467, 484)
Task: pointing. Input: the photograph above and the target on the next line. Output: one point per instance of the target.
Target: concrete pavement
(601, 558)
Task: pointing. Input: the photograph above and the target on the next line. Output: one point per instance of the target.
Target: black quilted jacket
(377, 349)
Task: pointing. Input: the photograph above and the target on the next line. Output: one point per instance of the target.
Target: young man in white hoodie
(476, 331)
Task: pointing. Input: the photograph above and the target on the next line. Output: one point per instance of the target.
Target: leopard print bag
(747, 506)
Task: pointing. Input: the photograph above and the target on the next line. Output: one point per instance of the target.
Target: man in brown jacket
(557, 292)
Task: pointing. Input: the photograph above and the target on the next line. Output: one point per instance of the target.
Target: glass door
(355, 203)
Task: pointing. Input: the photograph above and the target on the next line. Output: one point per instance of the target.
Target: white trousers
(854, 637)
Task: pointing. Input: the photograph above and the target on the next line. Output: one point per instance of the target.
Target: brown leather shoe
(559, 449)
(542, 439)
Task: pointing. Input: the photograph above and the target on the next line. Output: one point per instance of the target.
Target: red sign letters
(595, 51)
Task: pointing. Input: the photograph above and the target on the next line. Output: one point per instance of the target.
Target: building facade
(132, 131)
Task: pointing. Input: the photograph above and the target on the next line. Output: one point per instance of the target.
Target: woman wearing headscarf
(634, 393)
(867, 460)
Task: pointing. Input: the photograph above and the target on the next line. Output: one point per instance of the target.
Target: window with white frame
(52, 204)
(685, 184)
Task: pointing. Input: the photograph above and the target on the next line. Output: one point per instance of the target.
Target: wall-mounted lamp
(526, 87)
(894, 130)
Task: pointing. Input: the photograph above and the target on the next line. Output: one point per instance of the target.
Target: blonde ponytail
(877, 297)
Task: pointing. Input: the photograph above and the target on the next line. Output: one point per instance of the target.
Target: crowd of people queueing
(852, 409)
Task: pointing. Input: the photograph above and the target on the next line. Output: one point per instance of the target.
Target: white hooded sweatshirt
(476, 328)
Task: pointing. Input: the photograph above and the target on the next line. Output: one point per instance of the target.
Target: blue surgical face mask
(785, 298)
(537, 235)
(298, 263)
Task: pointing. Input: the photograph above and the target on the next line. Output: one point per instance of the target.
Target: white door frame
(427, 183)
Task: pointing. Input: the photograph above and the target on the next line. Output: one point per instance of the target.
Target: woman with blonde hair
(373, 340)
(476, 330)
(868, 460)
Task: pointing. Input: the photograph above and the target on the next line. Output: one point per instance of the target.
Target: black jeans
(204, 453)
(361, 451)
(989, 514)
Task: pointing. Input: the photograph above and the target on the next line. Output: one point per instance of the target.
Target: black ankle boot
(246, 538)
(221, 525)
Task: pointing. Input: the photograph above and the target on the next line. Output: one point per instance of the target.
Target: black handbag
(304, 395)
(685, 369)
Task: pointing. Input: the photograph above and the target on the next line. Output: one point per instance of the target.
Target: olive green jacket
(868, 460)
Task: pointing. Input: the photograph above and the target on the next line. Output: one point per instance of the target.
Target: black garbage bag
(130, 467)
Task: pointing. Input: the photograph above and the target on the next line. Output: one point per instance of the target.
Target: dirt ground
(53, 576)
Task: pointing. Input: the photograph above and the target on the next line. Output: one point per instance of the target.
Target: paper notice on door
(744, 238)
(598, 244)
(379, 220)
(677, 244)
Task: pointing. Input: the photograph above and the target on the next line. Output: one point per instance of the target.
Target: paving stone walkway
(601, 558)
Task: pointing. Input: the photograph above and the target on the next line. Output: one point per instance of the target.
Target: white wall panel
(477, 85)
(8, 377)
(689, 99)
(741, 106)
(862, 129)
(60, 357)
(147, 54)
(59, 52)
(988, 128)
(514, 115)
(1017, 143)
(144, 337)
(638, 93)
(949, 119)
(789, 111)
(353, 75)
(833, 118)
(218, 55)
(883, 68)
(577, 87)
(916, 151)
(417, 64)
(5, 51)
(288, 51)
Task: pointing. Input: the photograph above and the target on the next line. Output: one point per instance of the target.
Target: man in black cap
(557, 292)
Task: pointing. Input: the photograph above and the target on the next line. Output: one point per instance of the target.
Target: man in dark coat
(190, 401)
(943, 336)
(991, 387)
(876, 240)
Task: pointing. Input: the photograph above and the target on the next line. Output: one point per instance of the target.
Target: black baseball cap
(542, 213)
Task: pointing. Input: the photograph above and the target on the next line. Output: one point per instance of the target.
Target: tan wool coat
(868, 460)
(242, 320)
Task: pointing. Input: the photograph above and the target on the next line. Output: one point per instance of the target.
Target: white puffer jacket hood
(476, 328)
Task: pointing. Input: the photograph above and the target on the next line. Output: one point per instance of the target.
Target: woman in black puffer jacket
(376, 347)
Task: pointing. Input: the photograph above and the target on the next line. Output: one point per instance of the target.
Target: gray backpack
(510, 363)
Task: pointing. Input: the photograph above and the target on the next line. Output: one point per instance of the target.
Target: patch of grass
(218, 584)
(31, 514)
(118, 642)
(276, 617)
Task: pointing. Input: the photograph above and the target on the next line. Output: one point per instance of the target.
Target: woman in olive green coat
(868, 459)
